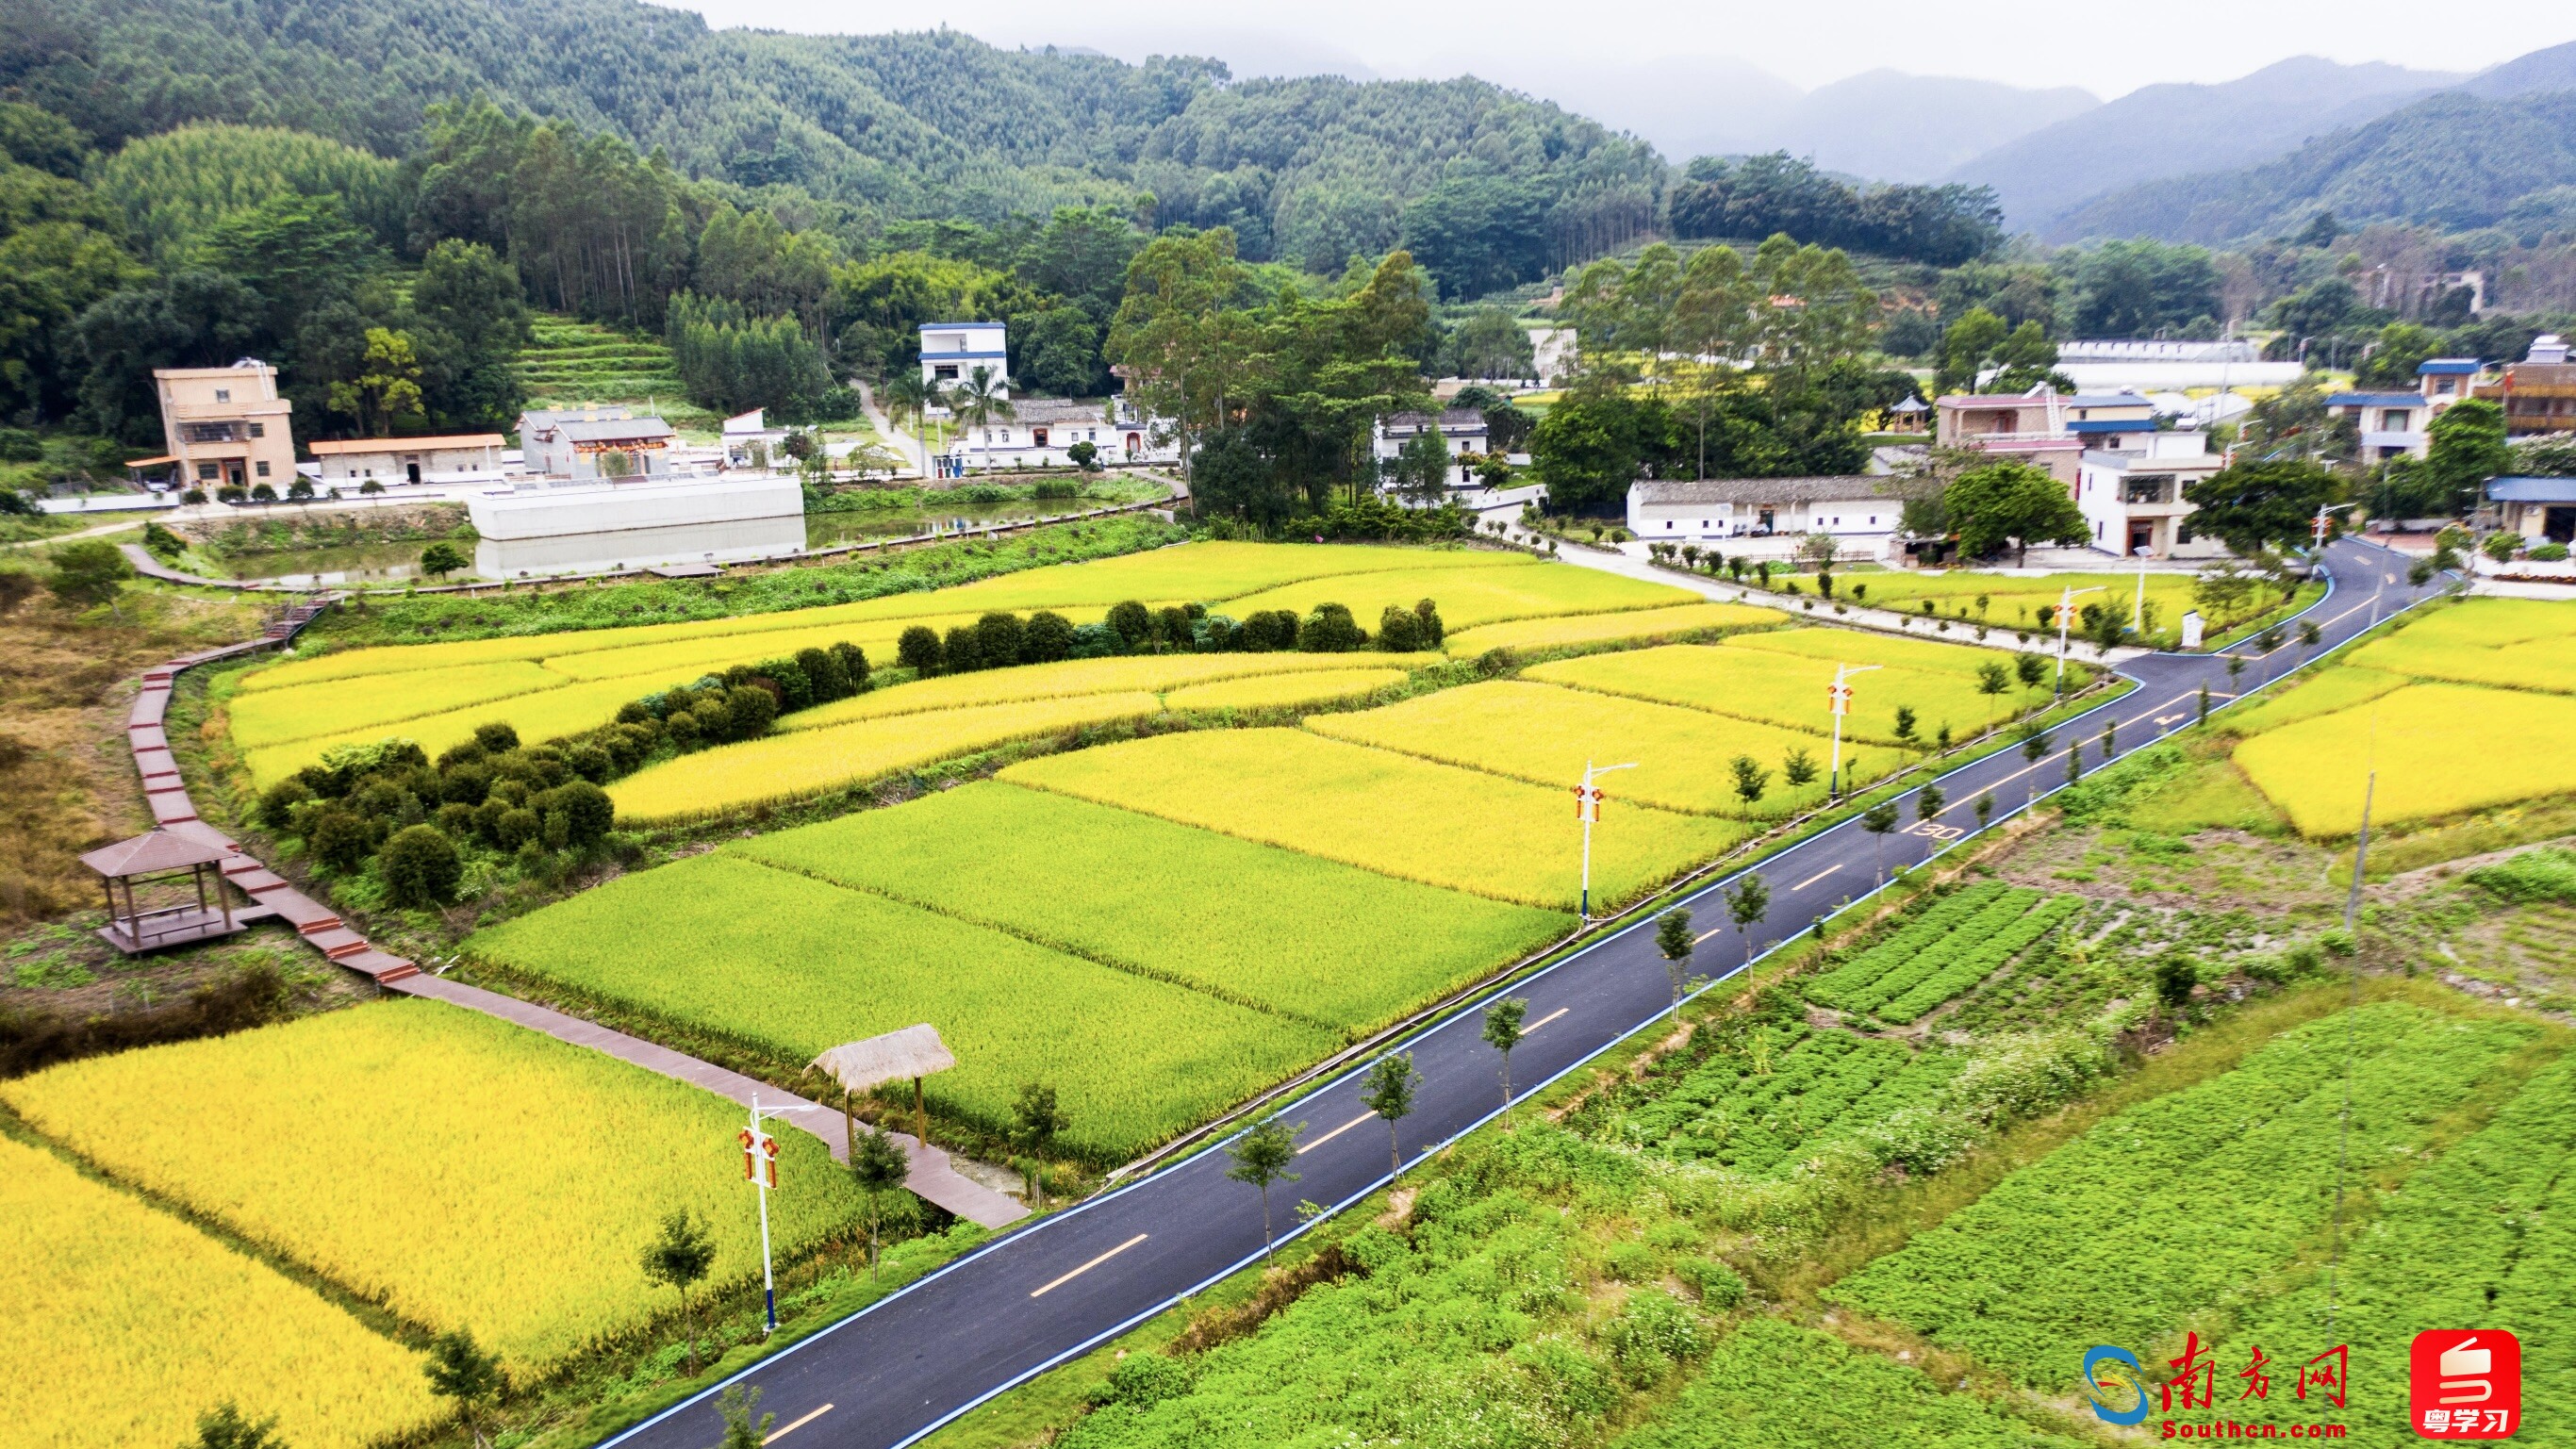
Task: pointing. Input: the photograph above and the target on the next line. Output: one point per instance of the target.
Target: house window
(206, 471)
(2394, 420)
(223, 394)
(263, 469)
(259, 430)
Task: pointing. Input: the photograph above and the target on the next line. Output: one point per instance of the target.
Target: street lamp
(1839, 694)
(2324, 511)
(2065, 617)
(2138, 610)
(1587, 808)
(760, 1168)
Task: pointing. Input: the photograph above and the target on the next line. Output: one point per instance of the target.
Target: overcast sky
(1551, 47)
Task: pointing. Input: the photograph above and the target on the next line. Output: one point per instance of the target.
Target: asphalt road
(1058, 1287)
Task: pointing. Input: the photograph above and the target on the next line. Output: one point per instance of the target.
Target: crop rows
(1150, 673)
(1285, 691)
(2511, 643)
(427, 1156)
(155, 1323)
(1748, 679)
(1405, 817)
(1467, 599)
(1773, 1383)
(2081, 1247)
(1545, 735)
(1627, 626)
(1966, 959)
(2481, 1237)
(2439, 750)
(793, 965)
(1823, 1087)
(805, 763)
(1339, 947)
(1836, 987)
(2328, 691)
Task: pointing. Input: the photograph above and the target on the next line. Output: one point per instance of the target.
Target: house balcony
(2411, 441)
(2022, 442)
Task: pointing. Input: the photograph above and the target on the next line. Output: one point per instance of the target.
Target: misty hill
(2169, 130)
(1885, 125)
(2454, 160)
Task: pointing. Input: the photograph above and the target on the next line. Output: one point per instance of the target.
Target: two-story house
(2397, 424)
(951, 351)
(2027, 427)
(1462, 432)
(2539, 392)
(2132, 495)
(225, 427)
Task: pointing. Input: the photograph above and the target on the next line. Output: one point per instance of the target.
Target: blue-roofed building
(2391, 423)
(2542, 510)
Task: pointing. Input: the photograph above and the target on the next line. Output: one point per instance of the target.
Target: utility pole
(760, 1169)
(2138, 608)
(1587, 808)
(2066, 617)
(1839, 695)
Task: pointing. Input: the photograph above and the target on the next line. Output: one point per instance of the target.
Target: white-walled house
(951, 351)
(572, 442)
(749, 441)
(1462, 431)
(1041, 433)
(1861, 510)
(454, 458)
(2132, 495)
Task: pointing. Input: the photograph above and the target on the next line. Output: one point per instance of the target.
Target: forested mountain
(2164, 130)
(887, 126)
(2453, 160)
(1889, 126)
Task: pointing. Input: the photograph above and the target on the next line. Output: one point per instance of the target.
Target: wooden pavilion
(862, 1066)
(162, 859)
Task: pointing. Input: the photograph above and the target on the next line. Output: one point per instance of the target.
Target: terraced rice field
(1410, 818)
(1792, 689)
(2018, 602)
(1302, 690)
(1149, 673)
(285, 717)
(570, 362)
(1544, 735)
(2508, 643)
(794, 965)
(1627, 626)
(1486, 596)
(1331, 945)
(158, 1322)
(424, 1156)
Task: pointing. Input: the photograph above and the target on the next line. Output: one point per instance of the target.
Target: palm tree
(905, 394)
(980, 399)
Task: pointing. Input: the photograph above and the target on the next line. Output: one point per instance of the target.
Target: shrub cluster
(1001, 639)
(386, 803)
(739, 704)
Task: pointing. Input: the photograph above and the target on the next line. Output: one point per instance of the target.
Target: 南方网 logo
(2116, 1383)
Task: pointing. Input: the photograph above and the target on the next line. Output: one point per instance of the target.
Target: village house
(1040, 433)
(951, 351)
(1462, 431)
(2398, 424)
(224, 427)
(749, 441)
(2024, 427)
(2539, 392)
(1861, 512)
(2542, 510)
(2132, 494)
(453, 458)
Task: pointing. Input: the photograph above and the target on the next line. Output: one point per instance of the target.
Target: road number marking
(799, 1424)
(1936, 832)
(1056, 1283)
(1336, 1132)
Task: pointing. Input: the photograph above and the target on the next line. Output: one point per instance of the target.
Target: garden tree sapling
(1928, 802)
(1985, 809)
(735, 1406)
(223, 1427)
(1992, 678)
(459, 1369)
(1748, 903)
(1673, 938)
(1878, 820)
(877, 1167)
(1799, 768)
(1388, 1090)
(1261, 1157)
(679, 1257)
(2030, 669)
(1751, 780)
(1502, 1032)
(1035, 1121)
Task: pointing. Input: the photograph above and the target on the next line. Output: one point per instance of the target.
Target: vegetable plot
(2071, 1250)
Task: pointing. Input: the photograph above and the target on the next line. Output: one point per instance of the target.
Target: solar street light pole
(1587, 808)
(760, 1167)
(1841, 699)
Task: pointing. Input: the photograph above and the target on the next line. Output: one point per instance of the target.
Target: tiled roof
(2532, 490)
(1837, 489)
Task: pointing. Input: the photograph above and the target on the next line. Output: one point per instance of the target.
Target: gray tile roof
(1838, 489)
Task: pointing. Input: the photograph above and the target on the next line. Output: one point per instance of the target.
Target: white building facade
(456, 458)
(1861, 512)
(1463, 433)
(2132, 496)
(951, 351)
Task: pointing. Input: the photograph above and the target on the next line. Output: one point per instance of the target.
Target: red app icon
(2464, 1384)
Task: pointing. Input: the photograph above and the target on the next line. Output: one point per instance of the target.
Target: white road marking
(1802, 885)
(1056, 1283)
(1336, 1132)
(1544, 1020)
(799, 1424)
